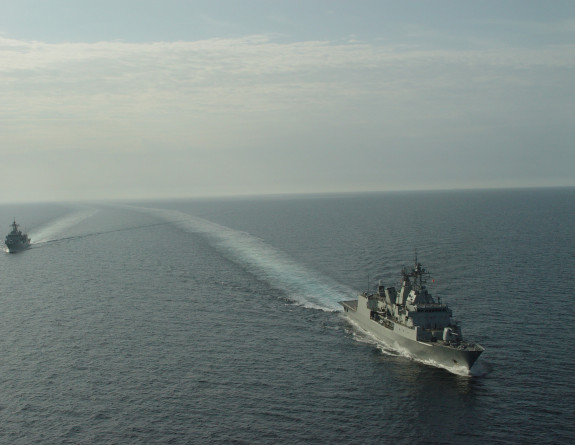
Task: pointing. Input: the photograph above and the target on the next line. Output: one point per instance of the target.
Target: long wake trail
(50, 231)
(304, 286)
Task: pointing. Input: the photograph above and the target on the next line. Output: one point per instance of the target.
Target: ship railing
(430, 307)
(382, 320)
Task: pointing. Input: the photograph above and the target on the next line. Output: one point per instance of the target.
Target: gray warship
(16, 240)
(413, 321)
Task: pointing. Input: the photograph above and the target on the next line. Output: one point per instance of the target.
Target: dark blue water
(217, 321)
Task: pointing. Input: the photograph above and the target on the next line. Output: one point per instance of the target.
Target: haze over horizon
(142, 99)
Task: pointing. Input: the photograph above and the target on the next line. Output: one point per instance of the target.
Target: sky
(146, 99)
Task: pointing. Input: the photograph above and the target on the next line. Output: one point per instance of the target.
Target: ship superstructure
(412, 320)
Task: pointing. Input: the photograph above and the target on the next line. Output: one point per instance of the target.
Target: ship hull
(435, 353)
(17, 246)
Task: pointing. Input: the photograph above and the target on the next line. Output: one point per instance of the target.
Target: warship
(16, 240)
(411, 320)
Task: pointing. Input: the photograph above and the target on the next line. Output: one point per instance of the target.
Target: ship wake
(303, 286)
(50, 231)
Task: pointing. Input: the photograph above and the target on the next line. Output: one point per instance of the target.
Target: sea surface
(217, 321)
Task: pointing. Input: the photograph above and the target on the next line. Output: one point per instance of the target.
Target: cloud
(176, 102)
(249, 74)
(560, 28)
(242, 60)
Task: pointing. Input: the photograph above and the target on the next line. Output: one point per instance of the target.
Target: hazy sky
(177, 98)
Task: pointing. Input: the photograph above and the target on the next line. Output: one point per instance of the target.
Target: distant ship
(16, 240)
(413, 321)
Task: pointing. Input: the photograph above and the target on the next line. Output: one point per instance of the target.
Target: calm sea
(216, 321)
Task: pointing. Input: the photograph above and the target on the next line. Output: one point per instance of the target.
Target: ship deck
(349, 305)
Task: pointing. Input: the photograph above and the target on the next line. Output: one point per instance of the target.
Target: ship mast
(417, 274)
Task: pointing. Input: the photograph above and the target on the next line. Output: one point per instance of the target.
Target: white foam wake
(302, 285)
(50, 231)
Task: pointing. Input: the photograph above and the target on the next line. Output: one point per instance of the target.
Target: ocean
(217, 320)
